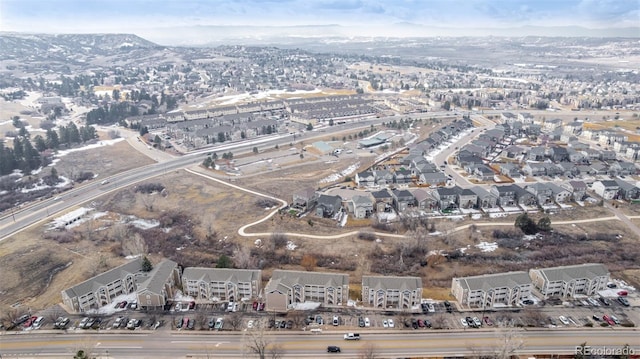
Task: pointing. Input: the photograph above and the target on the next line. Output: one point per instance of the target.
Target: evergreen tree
(53, 141)
(74, 133)
(146, 265)
(41, 146)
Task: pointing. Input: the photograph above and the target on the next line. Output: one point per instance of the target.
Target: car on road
(564, 320)
(333, 349)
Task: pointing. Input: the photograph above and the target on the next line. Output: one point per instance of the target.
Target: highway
(17, 219)
(165, 344)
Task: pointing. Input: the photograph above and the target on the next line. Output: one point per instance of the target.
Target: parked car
(391, 323)
(477, 322)
(596, 318)
(361, 322)
(367, 323)
(131, 325)
(123, 304)
(118, 322)
(38, 322)
(385, 324)
(470, 322)
(255, 306)
(623, 301)
(219, 324)
(564, 320)
(336, 321)
(605, 301)
(261, 306)
(427, 323)
(191, 324)
(83, 322)
(487, 321)
(212, 322)
(179, 323)
(615, 319)
(608, 319)
(528, 302)
(448, 306)
(192, 305)
(623, 293)
(61, 323)
(333, 349)
(30, 321)
(464, 322)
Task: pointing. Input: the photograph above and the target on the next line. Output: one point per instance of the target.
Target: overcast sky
(62, 16)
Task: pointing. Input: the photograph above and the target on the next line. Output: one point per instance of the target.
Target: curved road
(306, 345)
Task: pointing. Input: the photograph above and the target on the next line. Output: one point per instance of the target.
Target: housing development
(381, 198)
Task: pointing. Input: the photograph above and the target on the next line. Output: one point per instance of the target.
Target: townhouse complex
(510, 289)
(285, 290)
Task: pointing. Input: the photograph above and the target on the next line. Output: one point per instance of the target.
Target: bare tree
(134, 245)
(242, 257)
(261, 345)
(509, 342)
(277, 241)
(368, 351)
(148, 200)
(235, 320)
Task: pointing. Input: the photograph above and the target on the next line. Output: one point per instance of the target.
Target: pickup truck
(352, 336)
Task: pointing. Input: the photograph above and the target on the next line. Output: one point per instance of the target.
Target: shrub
(367, 236)
(149, 188)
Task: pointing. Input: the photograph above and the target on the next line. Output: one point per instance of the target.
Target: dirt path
(242, 231)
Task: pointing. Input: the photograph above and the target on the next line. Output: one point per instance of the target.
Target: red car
(608, 319)
(30, 321)
(623, 293)
(255, 305)
(192, 305)
(123, 304)
(261, 306)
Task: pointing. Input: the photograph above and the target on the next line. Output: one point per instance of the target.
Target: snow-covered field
(345, 172)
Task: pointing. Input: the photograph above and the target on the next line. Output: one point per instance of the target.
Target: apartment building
(287, 289)
(391, 292)
(492, 290)
(103, 288)
(221, 284)
(567, 281)
(158, 286)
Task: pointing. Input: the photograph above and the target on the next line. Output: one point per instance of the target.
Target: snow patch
(487, 246)
(291, 246)
(336, 176)
(90, 147)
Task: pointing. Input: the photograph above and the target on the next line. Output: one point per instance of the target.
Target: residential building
(447, 197)
(425, 200)
(365, 179)
(485, 198)
(102, 289)
(559, 194)
(402, 199)
(391, 292)
(628, 191)
(286, 289)
(383, 200)
(492, 290)
(467, 198)
(304, 199)
(327, 206)
(607, 189)
(158, 286)
(578, 189)
(567, 281)
(361, 206)
(221, 284)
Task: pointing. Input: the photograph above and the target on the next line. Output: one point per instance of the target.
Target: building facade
(391, 292)
(287, 289)
(221, 284)
(492, 290)
(567, 281)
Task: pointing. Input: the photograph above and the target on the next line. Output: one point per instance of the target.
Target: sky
(138, 16)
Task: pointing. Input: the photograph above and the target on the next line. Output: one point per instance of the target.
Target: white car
(564, 320)
(37, 323)
(390, 322)
(367, 323)
(464, 322)
(477, 322)
(385, 324)
(336, 321)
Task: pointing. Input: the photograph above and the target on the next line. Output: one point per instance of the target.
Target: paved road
(217, 345)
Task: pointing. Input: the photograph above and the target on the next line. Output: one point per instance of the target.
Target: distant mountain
(68, 46)
(257, 35)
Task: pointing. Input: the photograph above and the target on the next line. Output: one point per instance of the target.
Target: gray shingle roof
(388, 282)
(92, 284)
(221, 274)
(284, 280)
(157, 278)
(498, 280)
(568, 273)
